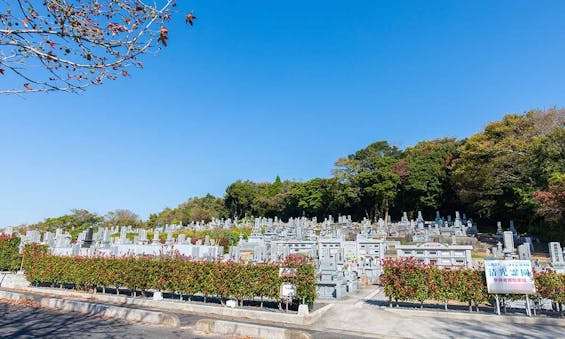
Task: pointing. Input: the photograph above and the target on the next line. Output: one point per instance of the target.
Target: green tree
(122, 217)
(371, 171)
(495, 174)
(74, 223)
(239, 197)
(426, 186)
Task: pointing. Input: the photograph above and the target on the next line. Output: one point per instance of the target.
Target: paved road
(31, 322)
(357, 315)
(360, 314)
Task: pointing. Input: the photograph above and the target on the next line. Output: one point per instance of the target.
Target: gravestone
(438, 221)
(512, 228)
(508, 237)
(499, 251)
(88, 238)
(499, 227)
(170, 239)
(556, 254)
(106, 240)
(142, 236)
(381, 223)
(156, 240)
(457, 222)
(48, 239)
(404, 220)
(524, 252)
(420, 220)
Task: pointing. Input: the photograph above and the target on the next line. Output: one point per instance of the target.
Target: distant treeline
(513, 169)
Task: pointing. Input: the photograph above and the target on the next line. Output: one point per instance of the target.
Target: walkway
(361, 314)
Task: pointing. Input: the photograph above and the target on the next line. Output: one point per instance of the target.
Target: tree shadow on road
(32, 322)
(475, 329)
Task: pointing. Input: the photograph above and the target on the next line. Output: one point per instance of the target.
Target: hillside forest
(513, 169)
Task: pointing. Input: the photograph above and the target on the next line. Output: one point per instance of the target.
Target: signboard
(433, 245)
(287, 272)
(288, 291)
(509, 277)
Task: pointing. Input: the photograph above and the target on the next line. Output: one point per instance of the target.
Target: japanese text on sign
(509, 277)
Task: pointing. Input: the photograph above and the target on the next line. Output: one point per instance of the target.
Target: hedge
(411, 280)
(10, 258)
(173, 274)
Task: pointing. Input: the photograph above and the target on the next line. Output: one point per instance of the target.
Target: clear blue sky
(263, 88)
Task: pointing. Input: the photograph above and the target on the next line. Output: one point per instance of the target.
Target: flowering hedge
(174, 274)
(551, 285)
(10, 258)
(411, 280)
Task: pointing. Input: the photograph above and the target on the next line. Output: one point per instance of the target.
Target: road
(32, 322)
(361, 314)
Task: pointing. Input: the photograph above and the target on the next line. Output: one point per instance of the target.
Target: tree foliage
(551, 205)
(513, 169)
(10, 257)
(194, 209)
(68, 45)
(75, 222)
(121, 217)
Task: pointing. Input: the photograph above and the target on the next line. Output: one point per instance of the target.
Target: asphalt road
(31, 322)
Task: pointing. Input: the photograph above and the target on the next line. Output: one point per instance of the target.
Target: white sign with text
(509, 277)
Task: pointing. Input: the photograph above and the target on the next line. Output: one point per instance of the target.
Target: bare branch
(63, 45)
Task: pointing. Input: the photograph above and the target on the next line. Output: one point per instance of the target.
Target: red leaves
(189, 18)
(116, 28)
(1, 71)
(163, 36)
(401, 168)
(27, 86)
(223, 279)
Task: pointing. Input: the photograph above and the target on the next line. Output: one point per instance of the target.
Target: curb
(173, 306)
(248, 330)
(108, 311)
(15, 296)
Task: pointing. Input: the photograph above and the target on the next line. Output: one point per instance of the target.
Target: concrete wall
(13, 280)
(277, 317)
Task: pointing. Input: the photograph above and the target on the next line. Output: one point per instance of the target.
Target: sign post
(288, 292)
(510, 277)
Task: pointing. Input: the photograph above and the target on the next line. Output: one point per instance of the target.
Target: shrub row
(10, 258)
(411, 280)
(173, 274)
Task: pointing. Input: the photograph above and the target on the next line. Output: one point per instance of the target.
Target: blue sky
(264, 88)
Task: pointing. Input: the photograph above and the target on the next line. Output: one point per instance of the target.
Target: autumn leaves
(164, 32)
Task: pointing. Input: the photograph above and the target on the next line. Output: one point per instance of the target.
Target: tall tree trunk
(386, 211)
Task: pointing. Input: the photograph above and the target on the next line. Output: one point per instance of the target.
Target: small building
(281, 249)
(438, 254)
